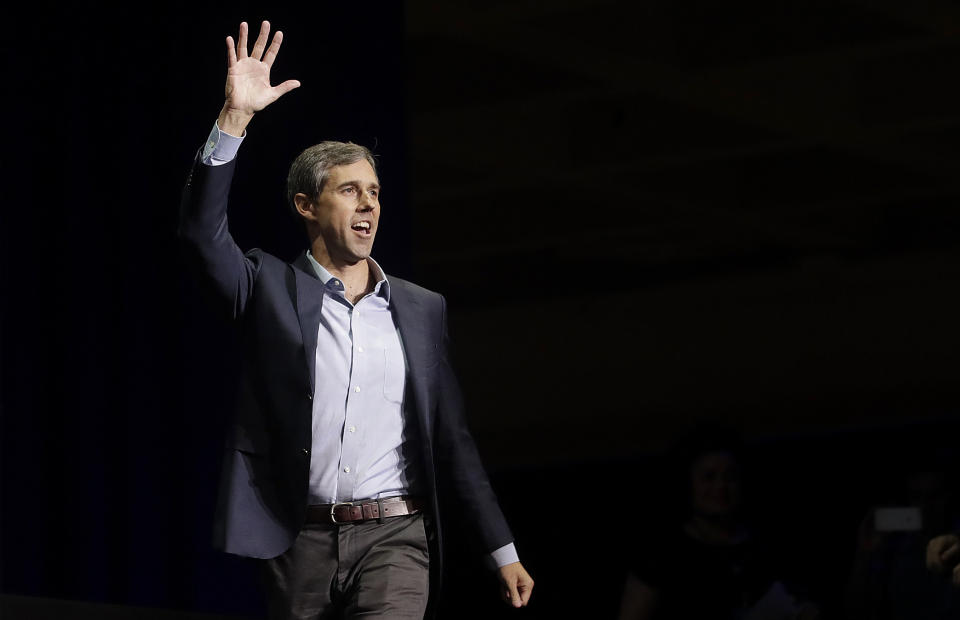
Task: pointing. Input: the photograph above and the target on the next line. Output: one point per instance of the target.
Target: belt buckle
(333, 518)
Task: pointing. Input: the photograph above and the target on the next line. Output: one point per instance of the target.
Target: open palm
(248, 88)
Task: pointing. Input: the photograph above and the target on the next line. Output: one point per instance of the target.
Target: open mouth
(362, 227)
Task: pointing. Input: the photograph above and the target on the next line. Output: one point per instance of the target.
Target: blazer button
(305, 451)
(309, 396)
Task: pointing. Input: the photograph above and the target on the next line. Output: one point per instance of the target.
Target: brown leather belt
(364, 510)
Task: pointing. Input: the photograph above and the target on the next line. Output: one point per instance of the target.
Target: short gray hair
(309, 170)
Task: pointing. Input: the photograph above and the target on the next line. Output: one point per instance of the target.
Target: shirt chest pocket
(394, 373)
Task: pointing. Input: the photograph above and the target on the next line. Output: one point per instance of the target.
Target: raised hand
(248, 88)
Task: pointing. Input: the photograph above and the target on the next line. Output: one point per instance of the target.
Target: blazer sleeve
(460, 466)
(208, 246)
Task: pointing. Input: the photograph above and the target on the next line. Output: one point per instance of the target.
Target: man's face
(347, 212)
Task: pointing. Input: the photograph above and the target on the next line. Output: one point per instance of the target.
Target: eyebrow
(357, 184)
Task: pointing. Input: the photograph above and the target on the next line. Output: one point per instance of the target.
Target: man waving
(350, 421)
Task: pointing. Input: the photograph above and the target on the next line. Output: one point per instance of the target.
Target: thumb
(285, 87)
(525, 588)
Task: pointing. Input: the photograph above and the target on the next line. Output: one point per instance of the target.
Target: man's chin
(358, 255)
(362, 251)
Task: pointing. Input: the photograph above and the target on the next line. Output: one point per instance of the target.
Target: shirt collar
(382, 288)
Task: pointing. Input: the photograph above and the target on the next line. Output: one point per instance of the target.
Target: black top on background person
(706, 561)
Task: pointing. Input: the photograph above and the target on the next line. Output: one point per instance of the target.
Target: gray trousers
(363, 570)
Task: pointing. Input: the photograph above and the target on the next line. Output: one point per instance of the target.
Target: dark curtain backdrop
(117, 380)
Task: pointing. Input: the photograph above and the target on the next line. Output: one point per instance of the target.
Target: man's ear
(304, 206)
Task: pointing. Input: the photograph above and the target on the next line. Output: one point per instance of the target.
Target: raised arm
(203, 228)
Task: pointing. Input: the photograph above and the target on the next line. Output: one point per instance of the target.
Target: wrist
(232, 121)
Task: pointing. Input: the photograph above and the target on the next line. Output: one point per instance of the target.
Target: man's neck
(357, 277)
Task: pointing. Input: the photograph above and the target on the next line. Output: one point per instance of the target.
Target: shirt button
(360, 349)
(352, 429)
(346, 470)
(356, 389)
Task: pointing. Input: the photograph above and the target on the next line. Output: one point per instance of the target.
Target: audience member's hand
(943, 556)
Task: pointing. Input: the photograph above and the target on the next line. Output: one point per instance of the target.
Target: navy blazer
(263, 495)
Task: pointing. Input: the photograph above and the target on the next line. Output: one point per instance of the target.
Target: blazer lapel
(309, 301)
(408, 315)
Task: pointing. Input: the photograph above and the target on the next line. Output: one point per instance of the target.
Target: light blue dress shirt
(358, 399)
(361, 448)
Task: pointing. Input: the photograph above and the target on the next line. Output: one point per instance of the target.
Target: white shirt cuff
(506, 554)
(220, 147)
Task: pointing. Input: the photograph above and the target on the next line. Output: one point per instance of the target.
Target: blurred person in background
(889, 579)
(707, 563)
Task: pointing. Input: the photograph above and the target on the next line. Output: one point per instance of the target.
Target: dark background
(644, 216)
